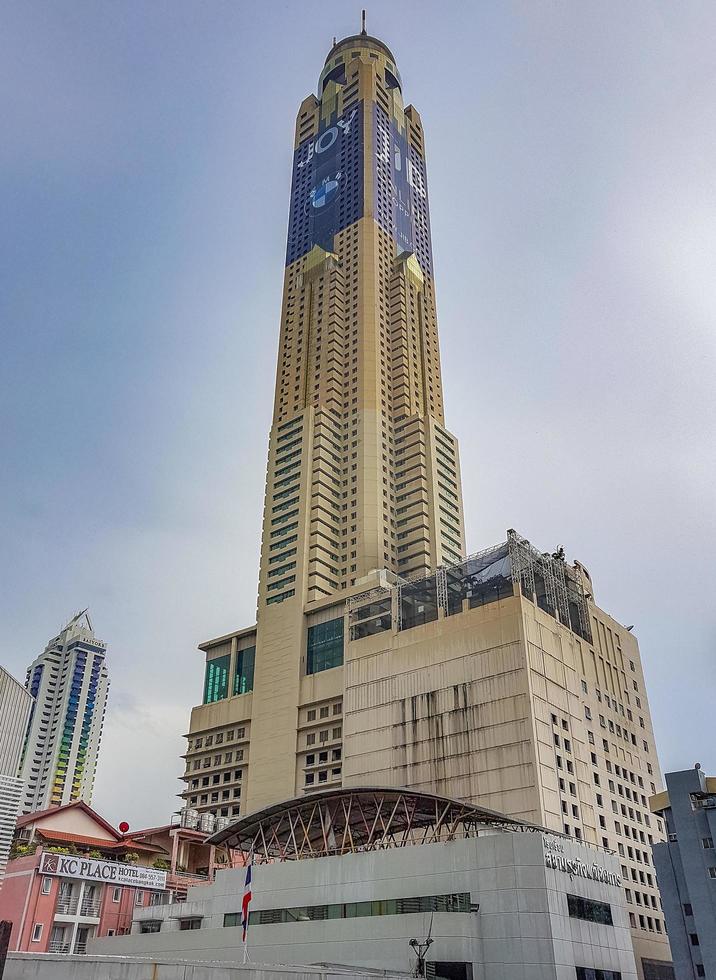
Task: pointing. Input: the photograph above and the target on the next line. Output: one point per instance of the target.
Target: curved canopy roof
(345, 820)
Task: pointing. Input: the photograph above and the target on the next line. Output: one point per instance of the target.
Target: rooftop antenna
(362, 22)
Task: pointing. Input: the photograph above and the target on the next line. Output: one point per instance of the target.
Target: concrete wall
(25, 966)
(522, 927)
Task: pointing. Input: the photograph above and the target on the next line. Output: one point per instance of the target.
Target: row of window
(459, 902)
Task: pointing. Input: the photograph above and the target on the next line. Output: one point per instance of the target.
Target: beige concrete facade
(527, 701)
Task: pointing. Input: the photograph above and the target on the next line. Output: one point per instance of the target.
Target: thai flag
(246, 901)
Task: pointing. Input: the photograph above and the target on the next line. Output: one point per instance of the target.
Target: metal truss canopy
(344, 821)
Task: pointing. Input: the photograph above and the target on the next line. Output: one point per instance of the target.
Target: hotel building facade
(381, 655)
(69, 683)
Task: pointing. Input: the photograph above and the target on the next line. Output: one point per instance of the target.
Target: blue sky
(145, 168)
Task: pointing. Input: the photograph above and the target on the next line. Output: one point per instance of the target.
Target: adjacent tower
(69, 683)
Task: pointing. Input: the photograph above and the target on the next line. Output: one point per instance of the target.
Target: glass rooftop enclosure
(479, 579)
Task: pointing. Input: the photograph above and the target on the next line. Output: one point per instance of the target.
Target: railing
(188, 875)
(90, 907)
(57, 946)
(66, 906)
(80, 948)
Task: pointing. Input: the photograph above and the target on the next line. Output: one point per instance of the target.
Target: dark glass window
(419, 603)
(185, 924)
(150, 926)
(351, 910)
(586, 973)
(216, 679)
(244, 676)
(587, 908)
(325, 646)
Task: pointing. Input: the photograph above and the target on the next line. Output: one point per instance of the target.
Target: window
(36, 932)
(139, 898)
(216, 680)
(116, 894)
(588, 909)
(244, 676)
(152, 926)
(46, 886)
(387, 906)
(325, 646)
(687, 909)
(584, 973)
(712, 872)
(186, 924)
(707, 842)
(694, 939)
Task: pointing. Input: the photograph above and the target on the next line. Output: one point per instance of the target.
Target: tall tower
(381, 655)
(362, 473)
(69, 683)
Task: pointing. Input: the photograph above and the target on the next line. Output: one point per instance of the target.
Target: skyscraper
(69, 683)
(15, 705)
(381, 655)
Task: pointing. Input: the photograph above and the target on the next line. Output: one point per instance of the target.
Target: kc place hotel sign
(69, 866)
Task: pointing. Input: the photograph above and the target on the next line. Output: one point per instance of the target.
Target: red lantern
(124, 827)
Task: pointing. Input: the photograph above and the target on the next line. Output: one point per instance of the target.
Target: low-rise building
(351, 876)
(686, 868)
(73, 876)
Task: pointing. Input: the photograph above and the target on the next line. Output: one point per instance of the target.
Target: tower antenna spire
(362, 22)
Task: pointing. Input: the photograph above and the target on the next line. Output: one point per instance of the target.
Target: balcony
(80, 948)
(66, 906)
(90, 908)
(58, 946)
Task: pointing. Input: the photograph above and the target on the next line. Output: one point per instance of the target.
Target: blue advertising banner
(327, 186)
(400, 199)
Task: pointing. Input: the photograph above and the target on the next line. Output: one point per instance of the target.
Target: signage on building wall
(127, 875)
(578, 869)
(394, 177)
(327, 186)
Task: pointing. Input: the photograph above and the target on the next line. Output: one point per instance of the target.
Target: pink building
(72, 876)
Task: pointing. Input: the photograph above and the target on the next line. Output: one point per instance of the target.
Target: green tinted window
(325, 646)
(459, 902)
(216, 679)
(244, 676)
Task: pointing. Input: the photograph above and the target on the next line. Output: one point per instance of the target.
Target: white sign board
(72, 866)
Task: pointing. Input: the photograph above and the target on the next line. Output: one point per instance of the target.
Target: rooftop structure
(345, 821)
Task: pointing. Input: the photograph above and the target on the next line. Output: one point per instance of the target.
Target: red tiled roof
(99, 842)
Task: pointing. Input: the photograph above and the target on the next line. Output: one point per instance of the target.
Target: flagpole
(247, 880)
